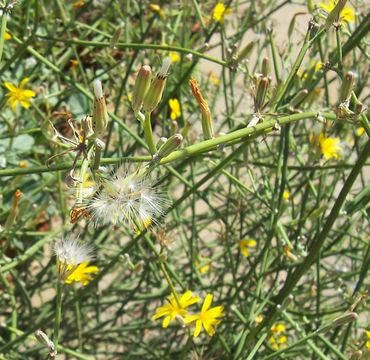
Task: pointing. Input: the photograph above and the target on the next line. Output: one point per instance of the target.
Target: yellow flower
(82, 274)
(368, 341)
(174, 56)
(278, 328)
(74, 64)
(220, 11)
(278, 339)
(330, 147)
(19, 94)
(246, 245)
(259, 319)
(318, 66)
(174, 309)
(286, 195)
(203, 269)
(156, 8)
(360, 131)
(7, 36)
(207, 317)
(175, 108)
(214, 79)
(347, 14)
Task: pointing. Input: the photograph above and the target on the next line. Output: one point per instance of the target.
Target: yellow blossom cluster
(278, 338)
(176, 308)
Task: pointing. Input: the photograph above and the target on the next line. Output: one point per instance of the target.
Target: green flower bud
(298, 98)
(43, 339)
(265, 66)
(170, 145)
(154, 94)
(100, 114)
(259, 100)
(347, 85)
(115, 38)
(345, 318)
(141, 87)
(245, 51)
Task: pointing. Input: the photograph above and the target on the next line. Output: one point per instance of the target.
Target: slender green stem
(148, 134)
(137, 46)
(339, 48)
(58, 312)
(4, 20)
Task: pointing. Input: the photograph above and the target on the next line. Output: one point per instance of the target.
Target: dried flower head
(128, 197)
(70, 253)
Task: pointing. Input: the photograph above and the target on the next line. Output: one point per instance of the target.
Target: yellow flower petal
(207, 302)
(198, 328)
(25, 104)
(23, 83)
(10, 86)
(209, 328)
(166, 321)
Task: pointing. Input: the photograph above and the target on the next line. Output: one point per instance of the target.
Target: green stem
(190, 151)
(339, 49)
(148, 134)
(101, 44)
(170, 283)
(4, 20)
(58, 312)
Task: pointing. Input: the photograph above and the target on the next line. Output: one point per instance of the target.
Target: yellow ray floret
(82, 274)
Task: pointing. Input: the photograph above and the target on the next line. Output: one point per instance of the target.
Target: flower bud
(100, 114)
(347, 85)
(161, 141)
(115, 38)
(141, 87)
(344, 319)
(207, 123)
(170, 145)
(43, 339)
(139, 266)
(245, 51)
(265, 66)
(298, 98)
(154, 94)
(259, 100)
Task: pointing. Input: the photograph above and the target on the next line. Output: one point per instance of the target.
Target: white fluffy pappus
(70, 253)
(73, 252)
(128, 197)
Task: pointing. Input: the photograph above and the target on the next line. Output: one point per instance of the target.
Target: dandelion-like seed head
(70, 253)
(128, 197)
